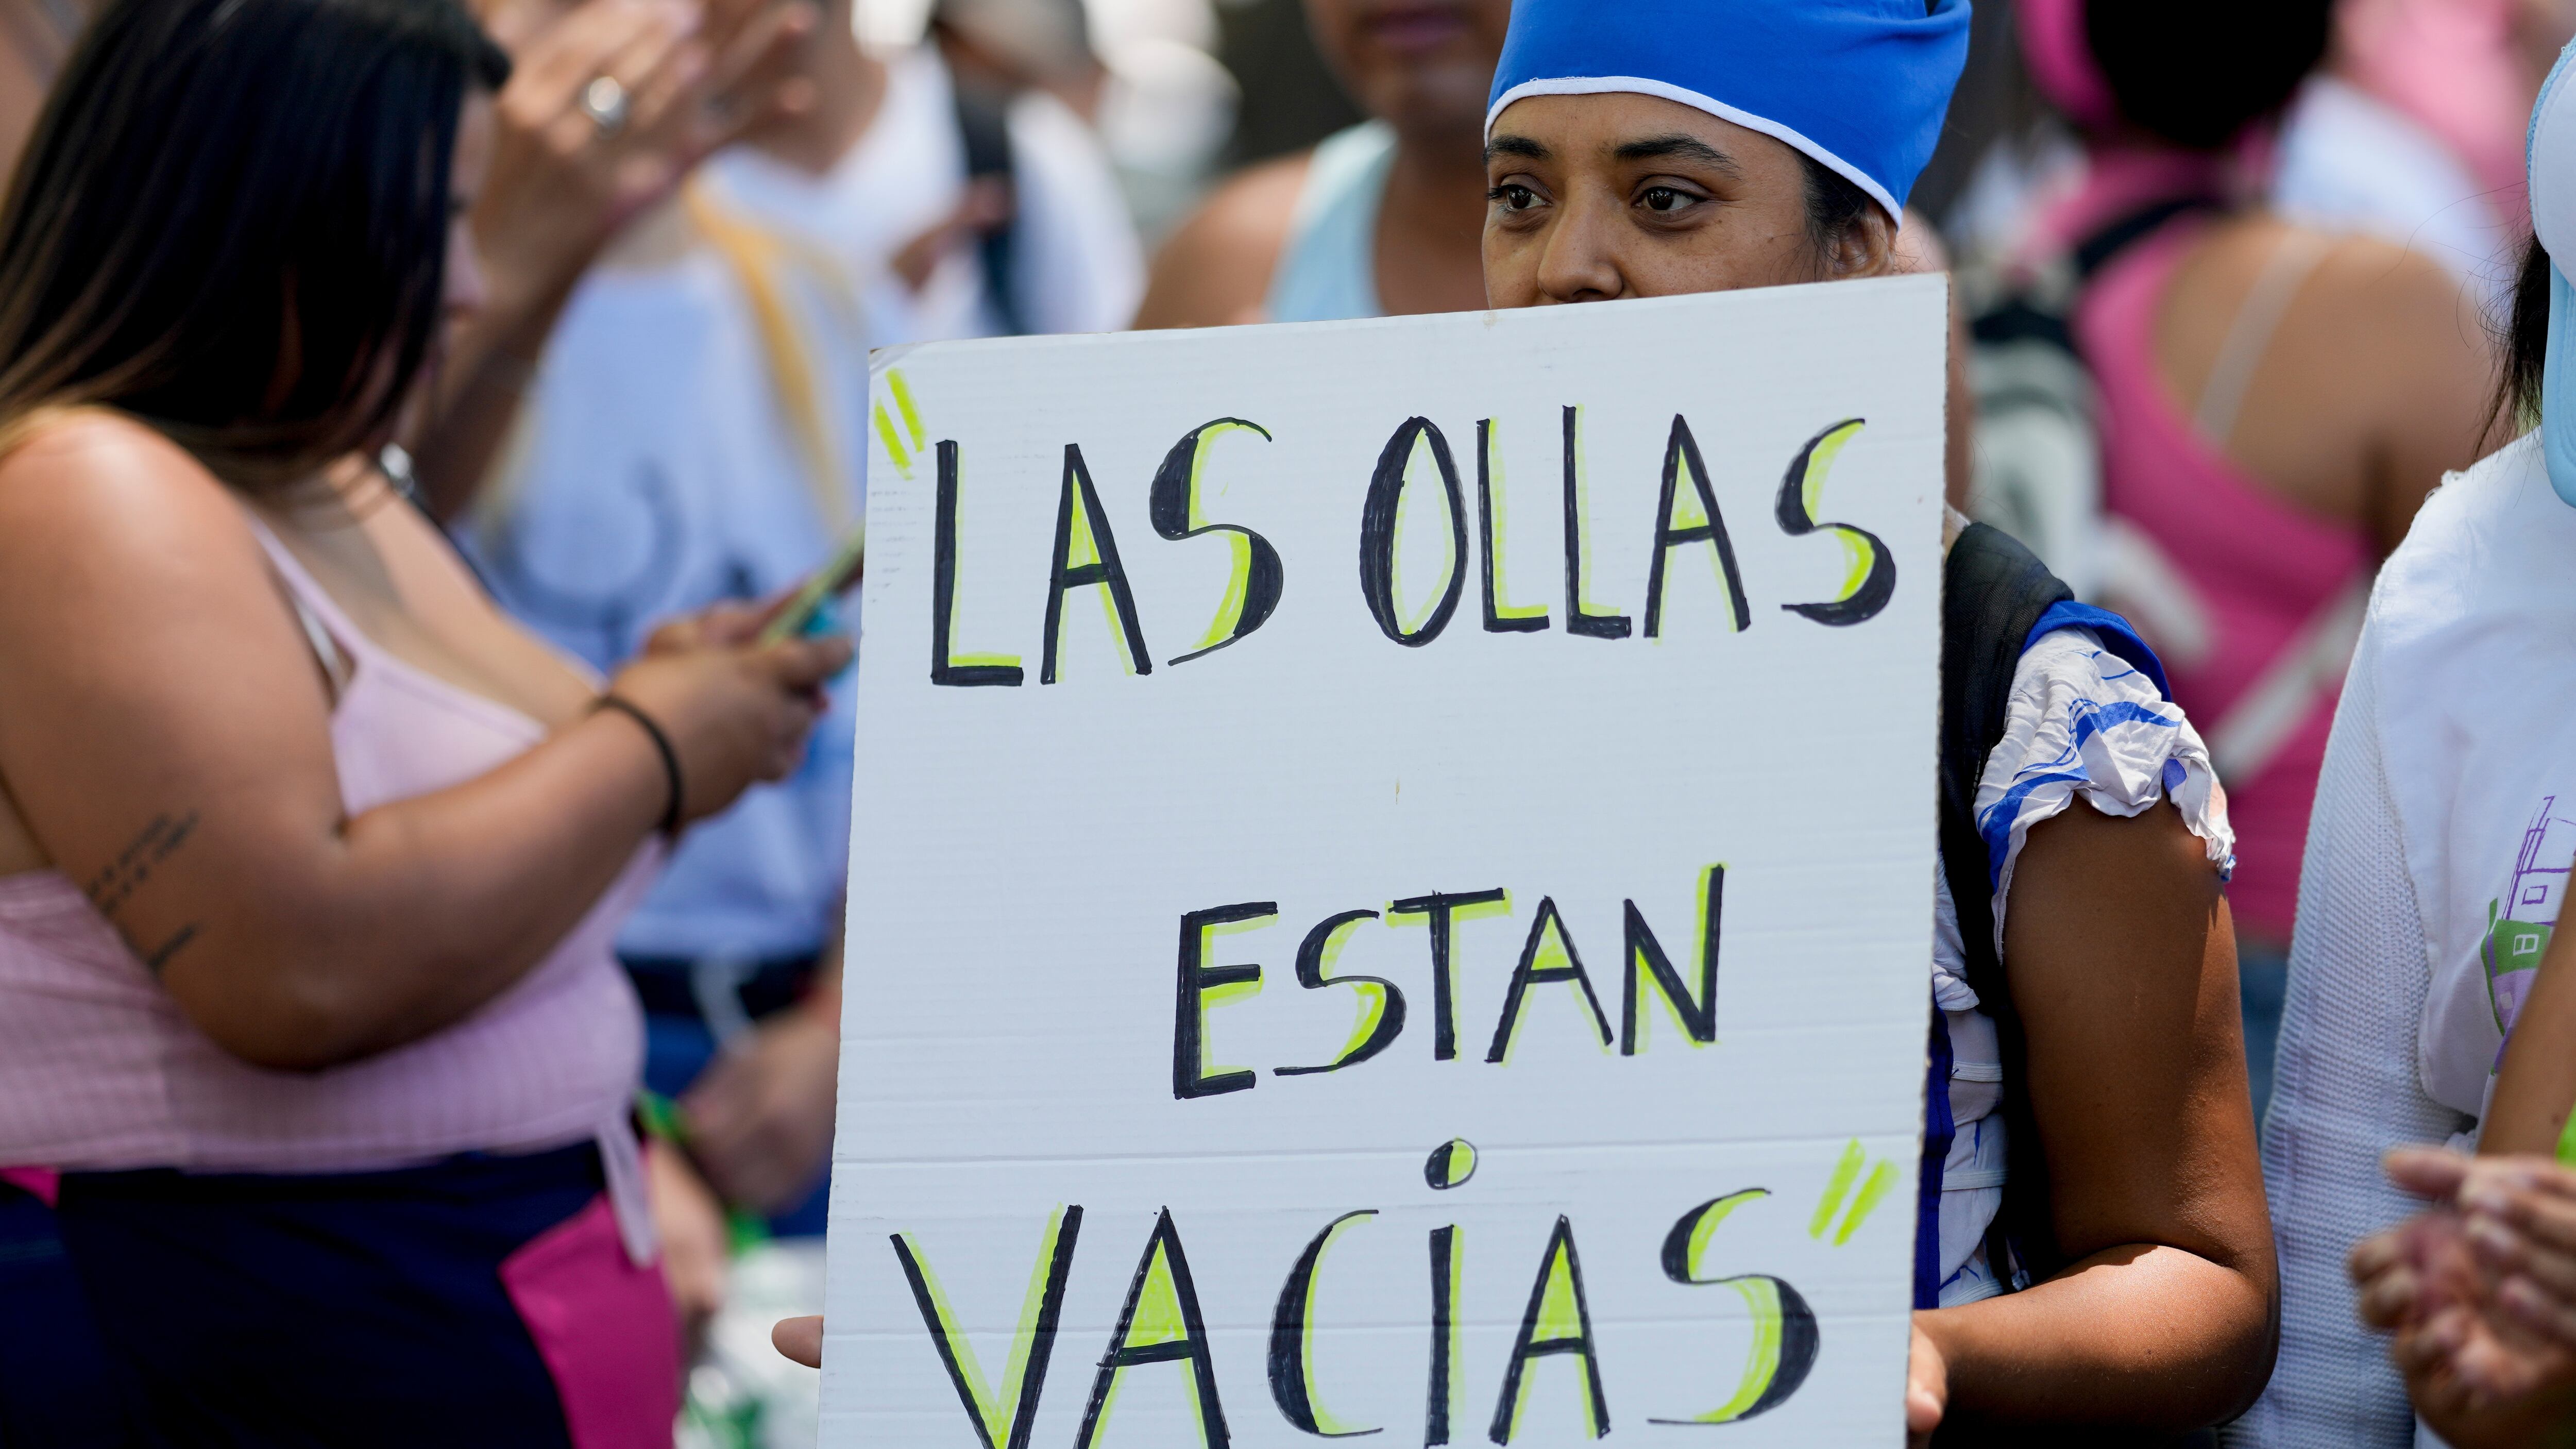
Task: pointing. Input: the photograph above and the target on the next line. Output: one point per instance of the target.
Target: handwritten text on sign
(1307, 978)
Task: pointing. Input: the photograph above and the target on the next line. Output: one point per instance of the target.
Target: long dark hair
(232, 222)
(2526, 343)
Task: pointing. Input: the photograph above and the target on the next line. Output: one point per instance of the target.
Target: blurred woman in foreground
(310, 861)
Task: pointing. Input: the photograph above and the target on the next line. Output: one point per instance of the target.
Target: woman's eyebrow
(1677, 145)
(1521, 146)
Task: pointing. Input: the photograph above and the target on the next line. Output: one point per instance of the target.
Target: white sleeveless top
(1328, 270)
(2437, 862)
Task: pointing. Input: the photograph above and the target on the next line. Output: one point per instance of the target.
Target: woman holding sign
(310, 861)
(2101, 1255)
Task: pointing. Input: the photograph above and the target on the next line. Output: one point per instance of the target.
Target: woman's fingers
(2543, 1311)
(2389, 1297)
(1927, 1390)
(2426, 1171)
(800, 665)
(800, 1339)
(748, 82)
(2535, 1211)
(550, 70)
(2374, 1255)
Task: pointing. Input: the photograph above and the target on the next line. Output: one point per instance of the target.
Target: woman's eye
(1514, 197)
(1666, 199)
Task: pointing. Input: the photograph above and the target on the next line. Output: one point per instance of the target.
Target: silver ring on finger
(606, 102)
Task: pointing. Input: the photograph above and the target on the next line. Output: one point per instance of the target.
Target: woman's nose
(1580, 263)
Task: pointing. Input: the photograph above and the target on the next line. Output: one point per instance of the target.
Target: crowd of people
(421, 873)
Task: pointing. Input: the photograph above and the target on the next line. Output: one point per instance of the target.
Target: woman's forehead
(1623, 127)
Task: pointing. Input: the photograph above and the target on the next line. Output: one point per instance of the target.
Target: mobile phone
(837, 577)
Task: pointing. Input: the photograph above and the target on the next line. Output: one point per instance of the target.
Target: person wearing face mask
(2092, 1248)
(1379, 220)
(2421, 1015)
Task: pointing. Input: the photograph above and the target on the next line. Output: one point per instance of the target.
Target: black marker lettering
(1681, 455)
(1164, 1271)
(1389, 1001)
(1289, 1385)
(1529, 973)
(1558, 1320)
(1782, 1318)
(1500, 618)
(944, 665)
(1442, 908)
(1698, 1013)
(1189, 1018)
(1579, 620)
(1377, 533)
(1175, 513)
(1102, 568)
(1868, 591)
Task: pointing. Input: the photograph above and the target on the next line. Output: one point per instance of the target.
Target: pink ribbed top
(2266, 570)
(100, 1070)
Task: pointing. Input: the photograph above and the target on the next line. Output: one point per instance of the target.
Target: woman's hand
(681, 81)
(1927, 1389)
(760, 1118)
(735, 714)
(2480, 1292)
(691, 1224)
(800, 1339)
(563, 183)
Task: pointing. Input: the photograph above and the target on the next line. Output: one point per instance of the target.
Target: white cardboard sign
(1392, 881)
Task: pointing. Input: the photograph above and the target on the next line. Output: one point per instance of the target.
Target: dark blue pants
(55, 1386)
(355, 1309)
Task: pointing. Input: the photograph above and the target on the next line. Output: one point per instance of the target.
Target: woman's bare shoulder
(92, 491)
(1216, 268)
(88, 460)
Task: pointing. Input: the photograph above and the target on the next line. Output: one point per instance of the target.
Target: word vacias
(1161, 1322)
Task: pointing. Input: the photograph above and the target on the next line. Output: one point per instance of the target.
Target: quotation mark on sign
(1881, 1179)
(894, 438)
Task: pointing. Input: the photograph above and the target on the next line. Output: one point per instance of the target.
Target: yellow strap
(759, 259)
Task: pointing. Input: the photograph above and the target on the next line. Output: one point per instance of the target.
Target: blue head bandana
(1860, 85)
(2550, 153)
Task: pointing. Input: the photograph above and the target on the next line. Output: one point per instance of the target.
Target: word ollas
(1085, 554)
(1162, 1324)
(1548, 955)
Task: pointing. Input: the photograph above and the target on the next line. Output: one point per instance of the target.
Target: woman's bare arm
(167, 737)
(2536, 1084)
(2122, 966)
(1216, 269)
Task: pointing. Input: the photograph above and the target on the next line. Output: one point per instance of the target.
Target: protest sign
(1392, 880)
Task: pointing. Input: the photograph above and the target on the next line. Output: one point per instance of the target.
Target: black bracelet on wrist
(670, 826)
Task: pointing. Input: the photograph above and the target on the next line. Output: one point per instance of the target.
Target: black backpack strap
(984, 124)
(1993, 591)
(2095, 252)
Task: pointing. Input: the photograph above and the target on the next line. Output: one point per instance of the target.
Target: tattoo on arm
(170, 948)
(117, 881)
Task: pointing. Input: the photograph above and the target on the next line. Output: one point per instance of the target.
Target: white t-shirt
(656, 469)
(2437, 861)
(1079, 266)
(2350, 162)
